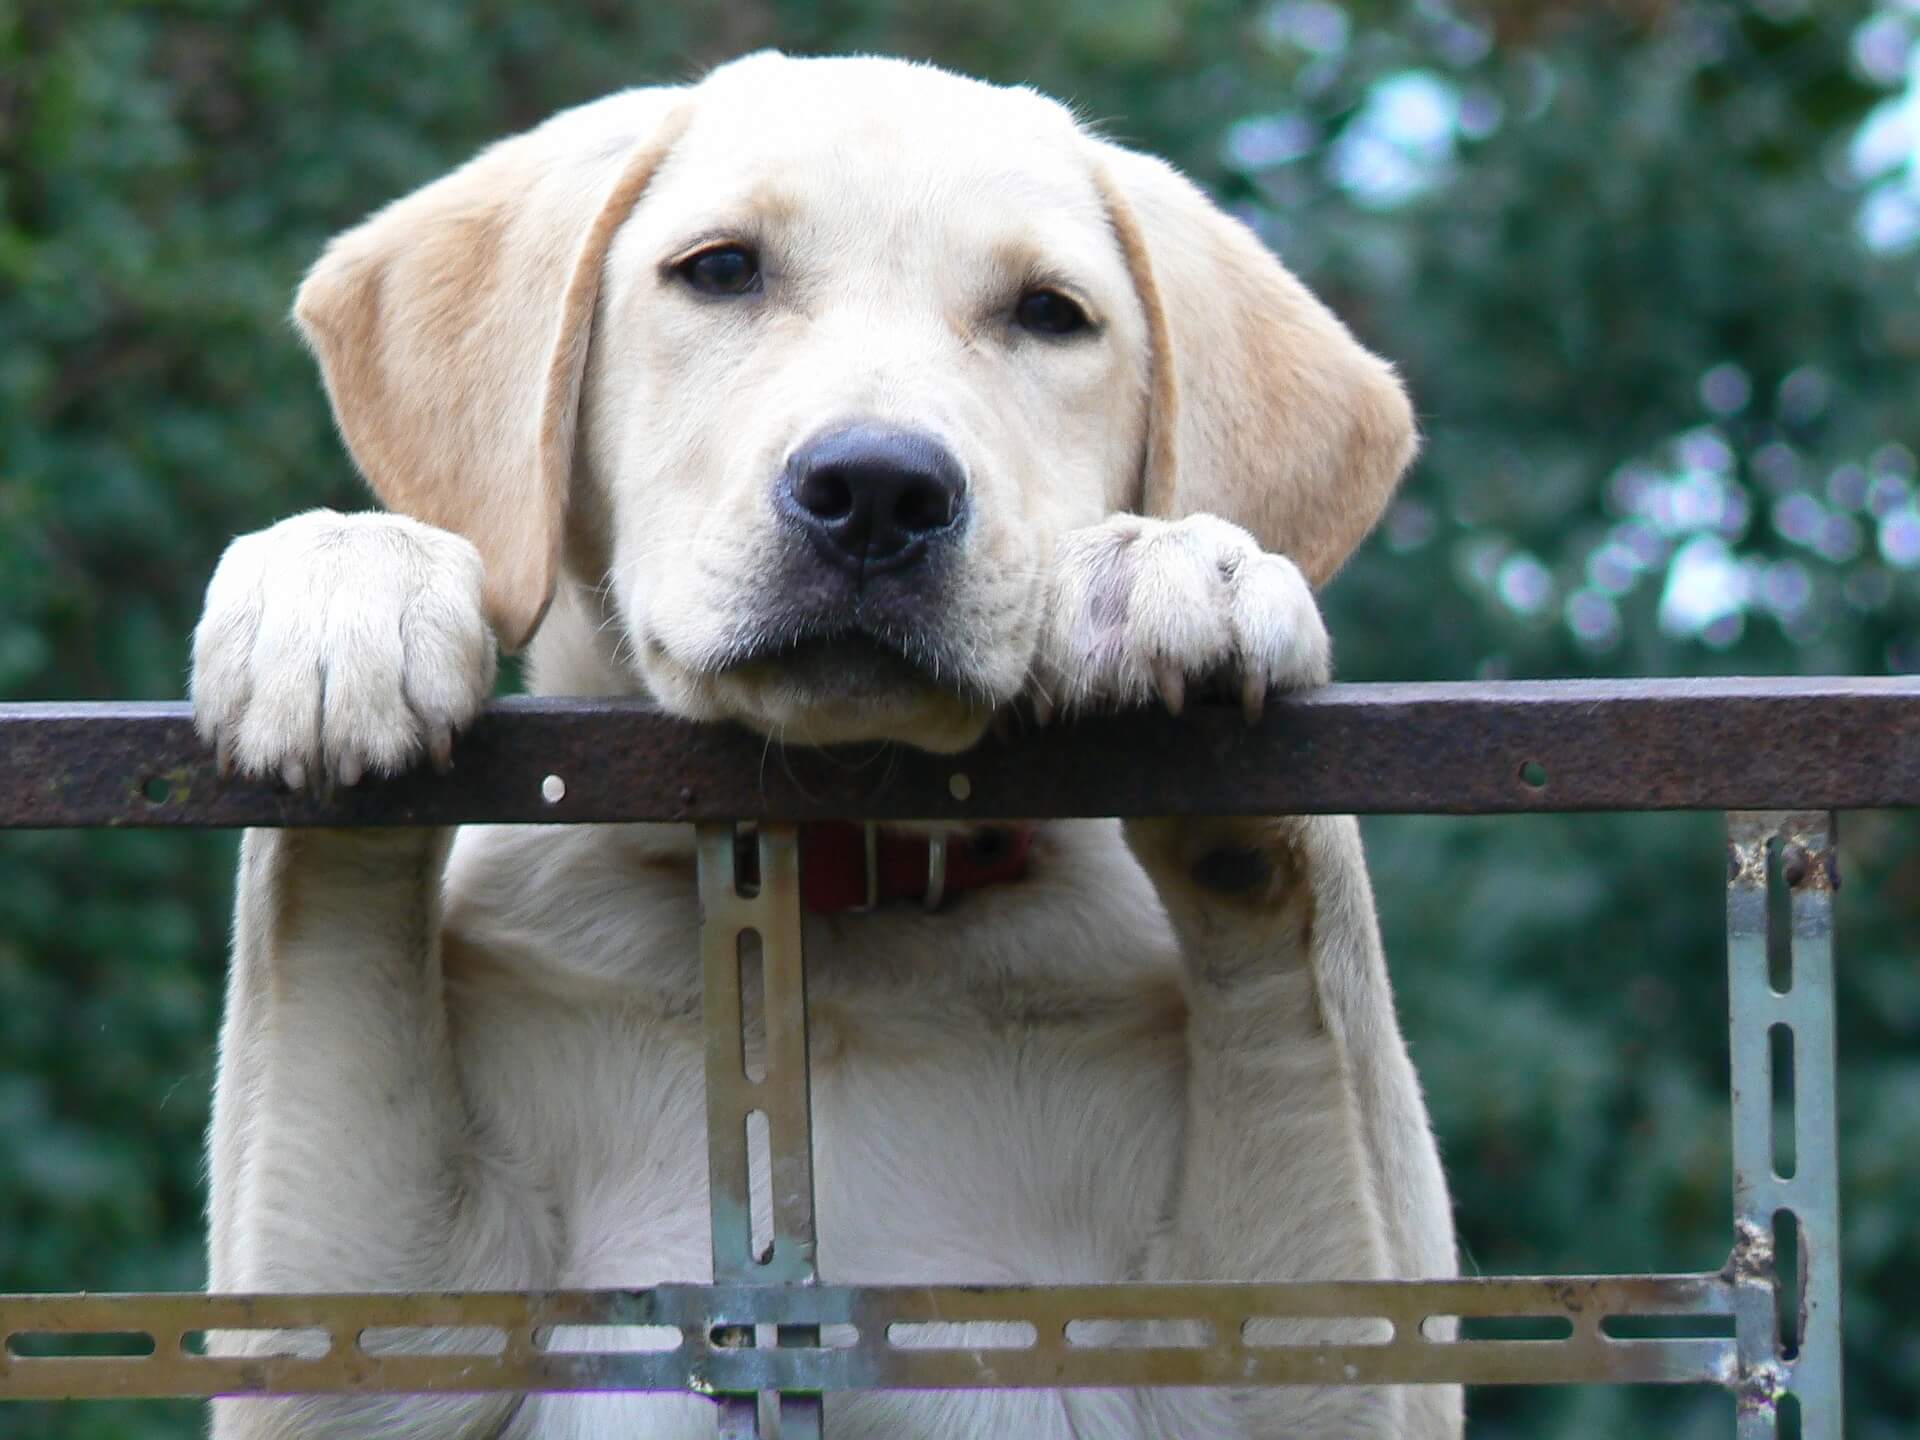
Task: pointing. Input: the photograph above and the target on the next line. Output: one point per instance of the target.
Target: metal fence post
(758, 1070)
(1781, 874)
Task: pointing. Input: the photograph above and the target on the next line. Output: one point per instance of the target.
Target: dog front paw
(1139, 608)
(332, 645)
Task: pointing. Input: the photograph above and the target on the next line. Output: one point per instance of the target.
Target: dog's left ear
(1264, 409)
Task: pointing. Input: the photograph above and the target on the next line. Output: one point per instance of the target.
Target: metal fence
(767, 1339)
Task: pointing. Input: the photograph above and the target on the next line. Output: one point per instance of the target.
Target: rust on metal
(1440, 748)
(1752, 1258)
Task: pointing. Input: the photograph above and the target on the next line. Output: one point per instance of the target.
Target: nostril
(925, 506)
(828, 495)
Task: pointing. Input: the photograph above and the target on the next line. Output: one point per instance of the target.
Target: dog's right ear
(452, 331)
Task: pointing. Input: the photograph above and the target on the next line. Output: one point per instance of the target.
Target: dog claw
(1172, 685)
(293, 774)
(440, 748)
(350, 770)
(1253, 698)
(223, 761)
(1042, 710)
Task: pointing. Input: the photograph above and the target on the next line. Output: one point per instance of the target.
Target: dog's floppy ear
(1264, 409)
(452, 330)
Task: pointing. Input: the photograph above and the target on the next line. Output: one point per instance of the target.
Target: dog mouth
(841, 664)
(840, 682)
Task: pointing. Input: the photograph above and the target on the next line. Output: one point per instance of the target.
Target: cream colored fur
(474, 1060)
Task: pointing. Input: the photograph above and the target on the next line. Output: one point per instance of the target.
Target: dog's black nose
(873, 498)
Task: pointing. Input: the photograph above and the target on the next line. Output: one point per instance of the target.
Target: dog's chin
(842, 690)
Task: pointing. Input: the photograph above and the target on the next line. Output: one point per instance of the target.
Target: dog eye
(1048, 312)
(723, 270)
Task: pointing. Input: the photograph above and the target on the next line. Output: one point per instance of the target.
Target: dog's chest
(997, 1090)
(998, 1096)
(970, 1147)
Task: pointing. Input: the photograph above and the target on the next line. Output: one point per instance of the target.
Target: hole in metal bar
(1139, 1334)
(1273, 1331)
(1787, 1417)
(1667, 1327)
(961, 1335)
(432, 1340)
(609, 1339)
(553, 789)
(1787, 1279)
(760, 1186)
(1779, 920)
(1533, 775)
(839, 1337)
(753, 1007)
(746, 861)
(1499, 1327)
(798, 1337)
(84, 1344)
(1780, 1046)
(309, 1344)
(158, 789)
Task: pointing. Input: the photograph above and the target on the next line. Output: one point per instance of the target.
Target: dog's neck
(847, 867)
(844, 867)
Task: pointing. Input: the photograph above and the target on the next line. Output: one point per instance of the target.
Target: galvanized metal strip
(1757, 1378)
(1722, 744)
(858, 1345)
(767, 908)
(1794, 851)
(1810, 867)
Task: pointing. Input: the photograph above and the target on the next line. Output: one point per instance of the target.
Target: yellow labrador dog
(848, 400)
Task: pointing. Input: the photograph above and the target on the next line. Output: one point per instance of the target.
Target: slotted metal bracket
(758, 1070)
(1782, 871)
(756, 1339)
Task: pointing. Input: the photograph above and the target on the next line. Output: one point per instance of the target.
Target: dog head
(771, 395)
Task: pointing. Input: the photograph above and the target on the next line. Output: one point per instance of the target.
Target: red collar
(846, 867)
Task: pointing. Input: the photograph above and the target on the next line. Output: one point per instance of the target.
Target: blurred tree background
(1650, 269)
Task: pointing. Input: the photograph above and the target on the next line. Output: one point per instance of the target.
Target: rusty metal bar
(506, 1340)
(1782, 871)
(1457, 749)
(756, 1043)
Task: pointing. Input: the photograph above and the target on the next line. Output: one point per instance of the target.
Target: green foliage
(1667, 392)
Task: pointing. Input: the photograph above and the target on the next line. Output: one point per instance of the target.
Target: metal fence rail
(768, 1336)
(1456, 749)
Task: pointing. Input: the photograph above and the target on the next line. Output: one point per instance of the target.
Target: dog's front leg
(1307, 1151)
(343, 1154)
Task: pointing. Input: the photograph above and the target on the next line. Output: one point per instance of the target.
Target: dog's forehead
(774, 128)
(875, 94)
